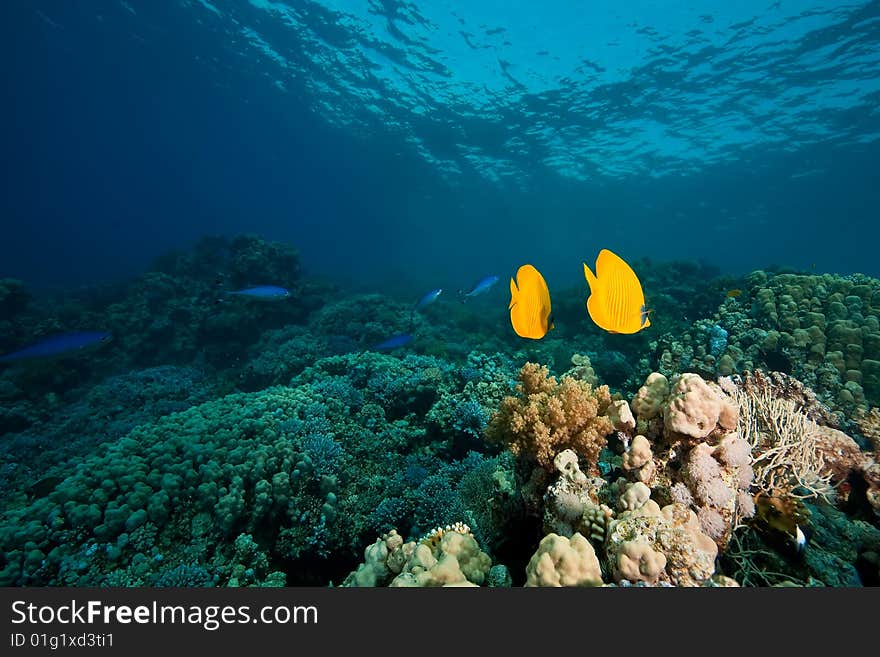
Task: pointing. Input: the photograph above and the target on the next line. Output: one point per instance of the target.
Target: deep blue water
(404, 145)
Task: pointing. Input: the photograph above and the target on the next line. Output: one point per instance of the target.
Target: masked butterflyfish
(616, 302)
(530, 304)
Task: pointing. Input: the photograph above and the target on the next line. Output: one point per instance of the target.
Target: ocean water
(160, 155)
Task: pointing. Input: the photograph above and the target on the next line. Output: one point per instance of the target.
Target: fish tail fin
(514, 294)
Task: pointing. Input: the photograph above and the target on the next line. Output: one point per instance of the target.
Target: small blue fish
(262, 292)
(394, 342)
(58, 345)
(482, 286)
(430, 297)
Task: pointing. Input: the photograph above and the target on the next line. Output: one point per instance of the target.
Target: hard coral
(549, 416)
(448, 556)
(655, 545)
(780, 385)
(695, 409)
(560, 561)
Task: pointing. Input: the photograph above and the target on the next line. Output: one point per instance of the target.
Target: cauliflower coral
(549, 416)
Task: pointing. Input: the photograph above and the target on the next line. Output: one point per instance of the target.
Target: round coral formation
(560, 561)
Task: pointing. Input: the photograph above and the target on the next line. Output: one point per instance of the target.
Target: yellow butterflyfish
(530, 304)
(617, 302)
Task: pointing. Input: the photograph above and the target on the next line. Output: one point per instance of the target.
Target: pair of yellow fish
(616, 302)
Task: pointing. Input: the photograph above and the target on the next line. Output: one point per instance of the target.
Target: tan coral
(549, 416)
(689, 552)
(621, 416)
(840, 454)
(445, 557)
(560, 561)
(382, 560)
(638, 460)
(673, 531)
(634, 497)
(650, 398)
(567, 499)
(696, 409)
(582, 369)
(456, 561)
(638, 561)
(566, 463)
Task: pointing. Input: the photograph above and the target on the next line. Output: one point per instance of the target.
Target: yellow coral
(549, 416)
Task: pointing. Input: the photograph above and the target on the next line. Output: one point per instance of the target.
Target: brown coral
(549, 416)
(869, 423)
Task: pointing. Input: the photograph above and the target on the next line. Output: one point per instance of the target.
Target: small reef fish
(429, 298)
(734, 293)
(799, 540)
(617, 302)
(530, 304)
(261, 292)
(482, 286)
(394, 342)
(58, 345)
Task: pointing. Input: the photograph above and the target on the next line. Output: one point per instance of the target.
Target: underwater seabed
(266, 442)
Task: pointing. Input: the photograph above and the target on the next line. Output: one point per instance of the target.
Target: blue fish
(262, 292)
(58, 345)
(430, 297)
(482, 286)
(394, 342)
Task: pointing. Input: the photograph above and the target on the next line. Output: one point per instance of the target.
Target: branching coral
(549, 416)
(785, 445)
(777, 384)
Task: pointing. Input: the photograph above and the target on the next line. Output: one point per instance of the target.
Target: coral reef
(224, 441)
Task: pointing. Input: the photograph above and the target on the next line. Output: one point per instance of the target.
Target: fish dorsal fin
(595, 308)
(591, 278)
